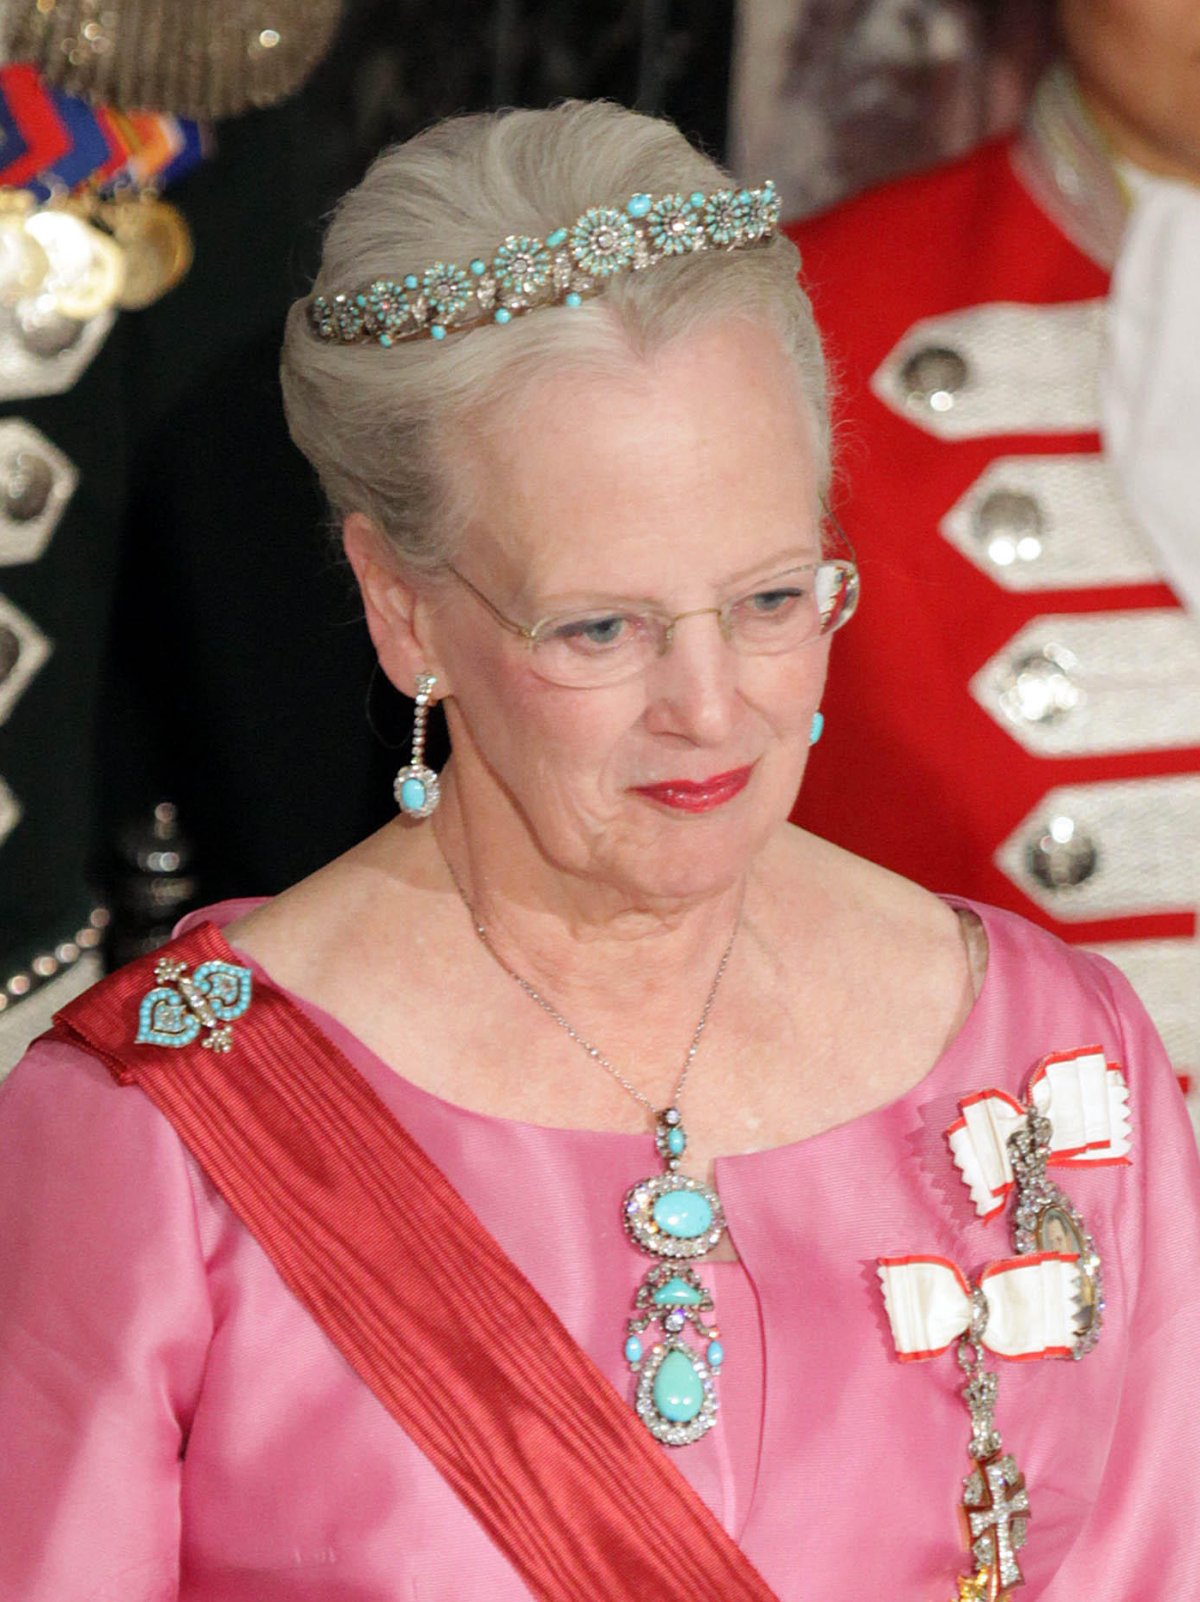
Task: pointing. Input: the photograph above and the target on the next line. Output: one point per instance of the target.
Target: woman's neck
(595, 943)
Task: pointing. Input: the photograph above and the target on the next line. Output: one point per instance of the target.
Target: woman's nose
(692, 686)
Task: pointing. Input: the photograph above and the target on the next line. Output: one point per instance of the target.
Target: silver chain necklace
(594, 1052)
(674, 1218)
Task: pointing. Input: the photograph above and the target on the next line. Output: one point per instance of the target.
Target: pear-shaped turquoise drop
(683, 1213)
(678, 1389)
(677, 1293)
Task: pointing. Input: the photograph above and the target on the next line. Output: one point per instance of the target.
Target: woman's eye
(594, 633)
(769, 603)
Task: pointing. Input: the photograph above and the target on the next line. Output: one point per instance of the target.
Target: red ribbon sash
(370, 1236)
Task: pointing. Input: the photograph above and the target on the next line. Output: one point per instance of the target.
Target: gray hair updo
(382, 426)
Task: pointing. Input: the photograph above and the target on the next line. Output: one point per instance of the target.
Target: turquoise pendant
(676, 1219)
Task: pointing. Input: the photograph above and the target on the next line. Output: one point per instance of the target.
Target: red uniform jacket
(1014, 713)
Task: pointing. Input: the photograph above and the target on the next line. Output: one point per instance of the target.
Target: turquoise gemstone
(502, 314)
(676, 1141)
(683, 1213)
(715, 1354)
(478, 267)
(412, 795)
(385, 340)
(678, 1389)
(437, 331)
(633, 1350)
(697, 199)
(557, 238)
(639, 205)
(677, 1293)
(411, 281)
(574, 300)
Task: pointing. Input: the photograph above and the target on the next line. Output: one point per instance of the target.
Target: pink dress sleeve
(1139, 1539)
(104, 1325)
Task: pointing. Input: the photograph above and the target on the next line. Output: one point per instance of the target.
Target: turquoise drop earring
(817, 729)
(416, 786)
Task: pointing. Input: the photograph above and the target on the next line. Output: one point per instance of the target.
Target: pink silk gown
(173, 1424)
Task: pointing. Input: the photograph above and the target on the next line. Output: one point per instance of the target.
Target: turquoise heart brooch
(180, 1006)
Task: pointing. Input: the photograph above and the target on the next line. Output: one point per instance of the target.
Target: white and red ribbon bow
(1032, 1304)
(1087, 1102)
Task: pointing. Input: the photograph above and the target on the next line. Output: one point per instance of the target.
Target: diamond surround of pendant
(669, 1432)
(638, 1214)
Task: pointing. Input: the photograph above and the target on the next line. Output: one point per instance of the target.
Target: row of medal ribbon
(81, 221)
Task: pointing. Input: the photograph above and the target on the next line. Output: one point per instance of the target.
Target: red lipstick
(685, 795)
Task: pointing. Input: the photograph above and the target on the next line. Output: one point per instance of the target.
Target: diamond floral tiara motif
(563, 269)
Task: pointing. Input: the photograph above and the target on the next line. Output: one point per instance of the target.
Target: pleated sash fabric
(372, 1239)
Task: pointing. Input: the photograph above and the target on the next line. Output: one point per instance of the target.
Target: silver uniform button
(1039, 687)
(933, 377)
(26, 480)
(1010, 527)
(1063, 855)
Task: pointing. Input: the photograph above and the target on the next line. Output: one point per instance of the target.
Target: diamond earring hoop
(817, 728)
(416, 786)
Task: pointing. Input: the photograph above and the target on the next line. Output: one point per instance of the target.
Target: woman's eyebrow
(770, 567)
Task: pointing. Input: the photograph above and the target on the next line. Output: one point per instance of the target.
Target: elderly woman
(575, 1163)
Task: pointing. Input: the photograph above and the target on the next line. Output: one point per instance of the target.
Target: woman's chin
(691, 852)
(686, 870)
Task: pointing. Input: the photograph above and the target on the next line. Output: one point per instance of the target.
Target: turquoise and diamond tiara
(566, 267)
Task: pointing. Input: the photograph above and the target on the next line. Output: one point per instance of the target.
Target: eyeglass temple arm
(518, 629)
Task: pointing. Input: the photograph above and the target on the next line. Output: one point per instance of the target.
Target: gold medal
(157, 245)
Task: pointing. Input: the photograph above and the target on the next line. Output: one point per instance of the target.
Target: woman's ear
(396, 613)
